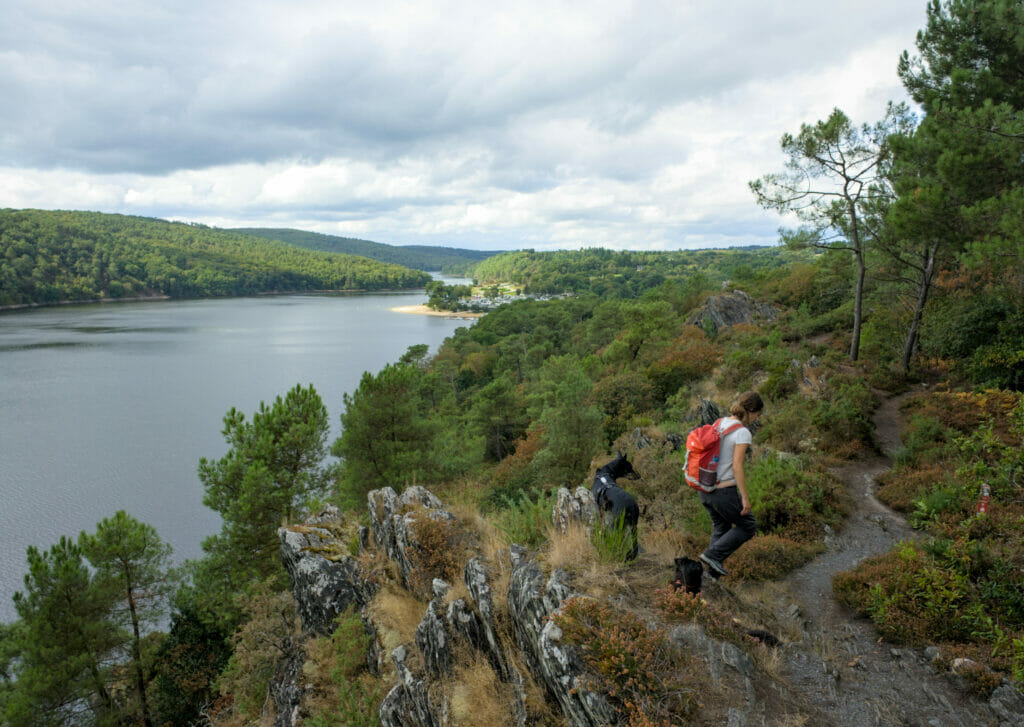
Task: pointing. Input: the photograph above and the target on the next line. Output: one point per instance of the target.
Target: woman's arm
(738, 453)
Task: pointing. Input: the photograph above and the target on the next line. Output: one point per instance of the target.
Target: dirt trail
(839, 663)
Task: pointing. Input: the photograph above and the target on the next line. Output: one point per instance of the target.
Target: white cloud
(633, 124)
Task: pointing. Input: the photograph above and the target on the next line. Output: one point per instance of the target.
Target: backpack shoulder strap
(730, 429)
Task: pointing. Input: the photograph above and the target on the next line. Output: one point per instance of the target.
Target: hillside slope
(420, 257)
(52, 256)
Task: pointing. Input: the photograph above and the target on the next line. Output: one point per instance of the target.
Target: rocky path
(840, 665)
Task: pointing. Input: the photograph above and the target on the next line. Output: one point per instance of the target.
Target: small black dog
(613, 502)
(764, 637)
(689, 575)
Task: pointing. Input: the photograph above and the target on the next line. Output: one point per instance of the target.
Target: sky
(476, 124)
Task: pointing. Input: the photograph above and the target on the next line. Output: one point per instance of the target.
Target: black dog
(689, 575)
(614, 503)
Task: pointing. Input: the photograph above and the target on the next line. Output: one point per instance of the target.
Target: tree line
(419, 257)
(52, 256)
(931, 203)
(624, 273)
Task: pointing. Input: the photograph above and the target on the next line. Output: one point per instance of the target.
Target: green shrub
(346, 695)
(739, 367)
(947, 498)
(843, 418)
(613, 542)
(924, 441)
(270, 630)
(781, 384)
(901, 487)
(1018, 660)
(524, 519)
(793, 498)
(787, 425)
(912, 598)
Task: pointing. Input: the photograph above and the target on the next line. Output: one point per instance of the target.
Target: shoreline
(423, 310)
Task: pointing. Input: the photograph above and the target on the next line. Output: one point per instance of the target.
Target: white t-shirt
(740, 436)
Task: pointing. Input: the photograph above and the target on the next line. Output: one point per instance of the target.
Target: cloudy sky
(541, 124)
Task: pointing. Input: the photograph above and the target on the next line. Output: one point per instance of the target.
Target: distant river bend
(108, 407)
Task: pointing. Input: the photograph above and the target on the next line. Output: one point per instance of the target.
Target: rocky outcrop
(408, 704)
(573, 507)
(432, 637)
(729, 309)
(1007, 703)
(324, 583)
(285, 690)
(531, 602)
(391, 519)
(478, 583)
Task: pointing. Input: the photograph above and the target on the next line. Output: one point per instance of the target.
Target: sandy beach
(425, 311)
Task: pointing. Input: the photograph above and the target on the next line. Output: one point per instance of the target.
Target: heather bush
(768, 557)
(682, 607)
(924, 441)
(633, 665)
(911, 598)
(787, 426)
(439, 551)
(901, 487)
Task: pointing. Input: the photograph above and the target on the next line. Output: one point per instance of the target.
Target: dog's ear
(681, 561)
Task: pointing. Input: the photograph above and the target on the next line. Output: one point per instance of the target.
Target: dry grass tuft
(665, 544)
(571, 550)
(477, 697)
(396, 613)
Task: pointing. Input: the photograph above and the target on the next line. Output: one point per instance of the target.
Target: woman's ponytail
(748, 403)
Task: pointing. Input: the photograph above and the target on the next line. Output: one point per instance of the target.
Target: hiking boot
(714, 567)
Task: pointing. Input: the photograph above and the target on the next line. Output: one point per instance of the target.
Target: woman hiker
(728, 504)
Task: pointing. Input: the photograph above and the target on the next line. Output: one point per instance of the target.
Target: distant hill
(419, 257)
(52, 256)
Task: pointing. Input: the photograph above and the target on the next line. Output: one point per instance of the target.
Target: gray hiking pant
(729, 529)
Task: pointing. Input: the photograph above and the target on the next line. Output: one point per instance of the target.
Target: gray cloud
(428, 120)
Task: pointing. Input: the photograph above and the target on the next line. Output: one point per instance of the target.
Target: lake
(110, 406)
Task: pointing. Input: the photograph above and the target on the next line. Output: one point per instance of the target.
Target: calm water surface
(108, 407)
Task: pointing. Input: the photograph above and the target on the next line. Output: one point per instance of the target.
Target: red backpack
(700, 466)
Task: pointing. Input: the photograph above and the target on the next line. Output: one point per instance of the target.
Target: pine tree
(66, 643)
(275, 463)
(386, 437)
(133, 564)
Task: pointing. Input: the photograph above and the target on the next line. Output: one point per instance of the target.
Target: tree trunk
(923, 289)
(140, 677)
(858, 296)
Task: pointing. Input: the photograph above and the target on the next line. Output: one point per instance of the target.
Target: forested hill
(51, 256)
(420, 257)
(626, 273)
